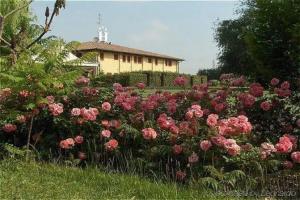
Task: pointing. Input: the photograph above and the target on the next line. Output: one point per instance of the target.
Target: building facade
(113, 58)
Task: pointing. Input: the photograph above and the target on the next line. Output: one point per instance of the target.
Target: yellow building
(113, 58)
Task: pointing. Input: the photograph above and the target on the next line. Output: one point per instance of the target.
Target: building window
(140, 59)
(149, 60)
(116, 56)
(170, 63)
(101, 56)
(135, 59)
(124, 58)
(128, 58)
(156, 61)
(166, 62)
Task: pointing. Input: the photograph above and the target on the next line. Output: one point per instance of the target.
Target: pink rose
(177, 149)
(218, 140)
(82, 81)
(265, 105)
(180, 81)
(180, 175)
(75, 112)
(274, 81)
(205, 145)
(256, 90)
(24, 93)
(50, 99)
(284, 145)
(141, 85)
(106, 106)
(174, 129)
(193, 158)
(56, 108)
(9, 128)
(78, 139)
(111, 145)
(189, 115)
(212, 120)
(296, 156)
(106, 133)
(21, 118)
(285, 85)
(288, 164)
(67, 143)
(149, 133)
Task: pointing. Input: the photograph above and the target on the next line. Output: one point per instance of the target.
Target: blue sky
(182, 29)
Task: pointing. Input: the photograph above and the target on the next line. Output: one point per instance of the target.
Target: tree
(233, 56)
(17, 31)
(263, 42)
(273, 38)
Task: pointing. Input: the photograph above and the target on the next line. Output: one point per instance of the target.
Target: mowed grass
(23, 180)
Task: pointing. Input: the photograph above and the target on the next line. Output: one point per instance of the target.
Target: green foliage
(150, 79)
(264, 42)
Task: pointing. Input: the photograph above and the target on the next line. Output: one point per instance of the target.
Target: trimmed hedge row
(151, 79)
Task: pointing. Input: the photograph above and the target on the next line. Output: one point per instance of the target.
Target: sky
(183, 29)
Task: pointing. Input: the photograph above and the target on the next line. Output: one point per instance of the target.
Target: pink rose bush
(229, 127)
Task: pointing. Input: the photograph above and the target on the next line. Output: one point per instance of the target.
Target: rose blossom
(180, 81)
(212, 120)
(177, 149)
(256, 90)
(78, 139)
(67, 143)
(141, 85)
(21, 118)
(265, 105)
(149, 133)
(218, 140)
(75, 112)
(174, 129)
(106, 106)
(274, 81)
(106, 133)
(105, 123)
(82, 81)
(9, 128)
(50, 99)
(180, 175)
(296, 156)
(285, 85)
(111, 145)
(284, 145)
(24, 93)
(287, 164)
(56, 108)
(205, 145)
(193, 158)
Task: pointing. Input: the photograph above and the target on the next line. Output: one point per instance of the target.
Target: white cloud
(156, 31)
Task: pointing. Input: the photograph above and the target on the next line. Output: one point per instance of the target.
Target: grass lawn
(20, 180)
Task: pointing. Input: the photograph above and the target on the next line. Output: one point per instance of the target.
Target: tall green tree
(233, 56)
(273, 37)
(263, 42)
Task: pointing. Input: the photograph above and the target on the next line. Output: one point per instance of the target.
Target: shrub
(254, 130)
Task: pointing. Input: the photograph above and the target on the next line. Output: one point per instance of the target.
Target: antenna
(102, 31)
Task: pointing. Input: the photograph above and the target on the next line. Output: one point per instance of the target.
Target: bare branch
(46, 28)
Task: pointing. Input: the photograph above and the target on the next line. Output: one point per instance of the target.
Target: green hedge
(151, 79)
